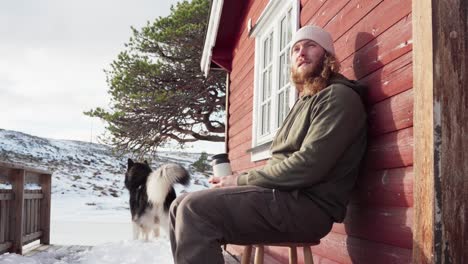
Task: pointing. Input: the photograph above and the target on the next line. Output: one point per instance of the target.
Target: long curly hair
(318, 79)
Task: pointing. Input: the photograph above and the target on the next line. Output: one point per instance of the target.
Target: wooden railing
(24, 214)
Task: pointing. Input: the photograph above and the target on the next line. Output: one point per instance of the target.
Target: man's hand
(224, 181)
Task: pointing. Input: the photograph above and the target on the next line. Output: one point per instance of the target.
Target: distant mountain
(82, 168)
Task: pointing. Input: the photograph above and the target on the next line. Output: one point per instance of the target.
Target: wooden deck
(68, 253)
(24, 213)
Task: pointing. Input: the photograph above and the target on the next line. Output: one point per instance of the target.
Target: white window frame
(269, 22)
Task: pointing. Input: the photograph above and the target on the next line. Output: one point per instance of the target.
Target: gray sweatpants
(202, 221)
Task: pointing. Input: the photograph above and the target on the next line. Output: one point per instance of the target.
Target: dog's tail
(160, 182)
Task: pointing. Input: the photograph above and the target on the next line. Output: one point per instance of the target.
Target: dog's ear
(130, 163)
(146, 162)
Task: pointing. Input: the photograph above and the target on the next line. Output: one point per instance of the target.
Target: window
(273, 93)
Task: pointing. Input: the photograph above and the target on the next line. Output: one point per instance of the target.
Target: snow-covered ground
(89, 201)
(120, 252)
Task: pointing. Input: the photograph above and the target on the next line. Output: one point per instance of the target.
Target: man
(306, 184)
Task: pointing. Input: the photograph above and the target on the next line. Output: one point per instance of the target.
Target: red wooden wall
(241, 92)
(373, 39)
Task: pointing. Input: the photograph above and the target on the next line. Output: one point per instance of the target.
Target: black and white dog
(151, 195)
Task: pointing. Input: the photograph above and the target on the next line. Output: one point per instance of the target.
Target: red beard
(300, 78)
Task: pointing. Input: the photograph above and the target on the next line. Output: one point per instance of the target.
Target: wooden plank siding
(373, 40)
(388, 187)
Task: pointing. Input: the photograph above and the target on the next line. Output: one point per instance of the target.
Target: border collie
(151, 195)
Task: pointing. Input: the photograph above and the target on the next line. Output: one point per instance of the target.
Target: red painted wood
(393, 187)
(241, 108)
(245, 55)
(375, 23)
(309, 8)
(388, 225)
(390, 80)
(241, 112)
(239, 150)
(351, 14)
(255, 165)
(243, 95)
(382, 38)
(392, 114)
(321, 260)
(243, 88)
(384, 49)
(338, 248)
(240, 93)
(391, 150)
(247, 69)
(348, 249)
(326, 12)
(244, 65)
(281, 255)
(257, 9)
(242, 163)
(243, 136)
(243, 42)
(246, 123)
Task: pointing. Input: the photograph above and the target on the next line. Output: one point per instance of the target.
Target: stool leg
(259, 251)
(246, 255)
(292, 255)
(308, 259)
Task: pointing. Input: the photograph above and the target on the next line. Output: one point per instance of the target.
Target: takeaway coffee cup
(221, 165)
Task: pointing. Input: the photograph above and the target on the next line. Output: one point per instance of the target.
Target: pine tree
(158, 92)
(201, 164)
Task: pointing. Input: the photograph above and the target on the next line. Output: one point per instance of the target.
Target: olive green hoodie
(318, 149)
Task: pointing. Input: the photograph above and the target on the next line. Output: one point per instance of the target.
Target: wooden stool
(259, 251)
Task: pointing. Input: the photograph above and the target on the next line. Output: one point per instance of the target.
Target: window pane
(283, 104)
(274, 93)
(268, 117)
(266, 88)
(289, 27)
(284, 28)
(265, 118)
(282, 69)
(269, 83)
(270, 53)
(281, 112)
(266, 50)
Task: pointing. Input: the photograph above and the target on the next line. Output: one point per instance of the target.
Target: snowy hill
(89, 201)
(87, 170)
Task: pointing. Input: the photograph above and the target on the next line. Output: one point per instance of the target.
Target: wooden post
(246, 255)
(292, 255)
(46, 186)
(259, 254)
(308, 258)
(440, 64)
(18, 178)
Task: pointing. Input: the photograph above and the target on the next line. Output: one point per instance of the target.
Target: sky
(53, 54)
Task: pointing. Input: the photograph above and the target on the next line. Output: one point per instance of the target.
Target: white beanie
(317, 34)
